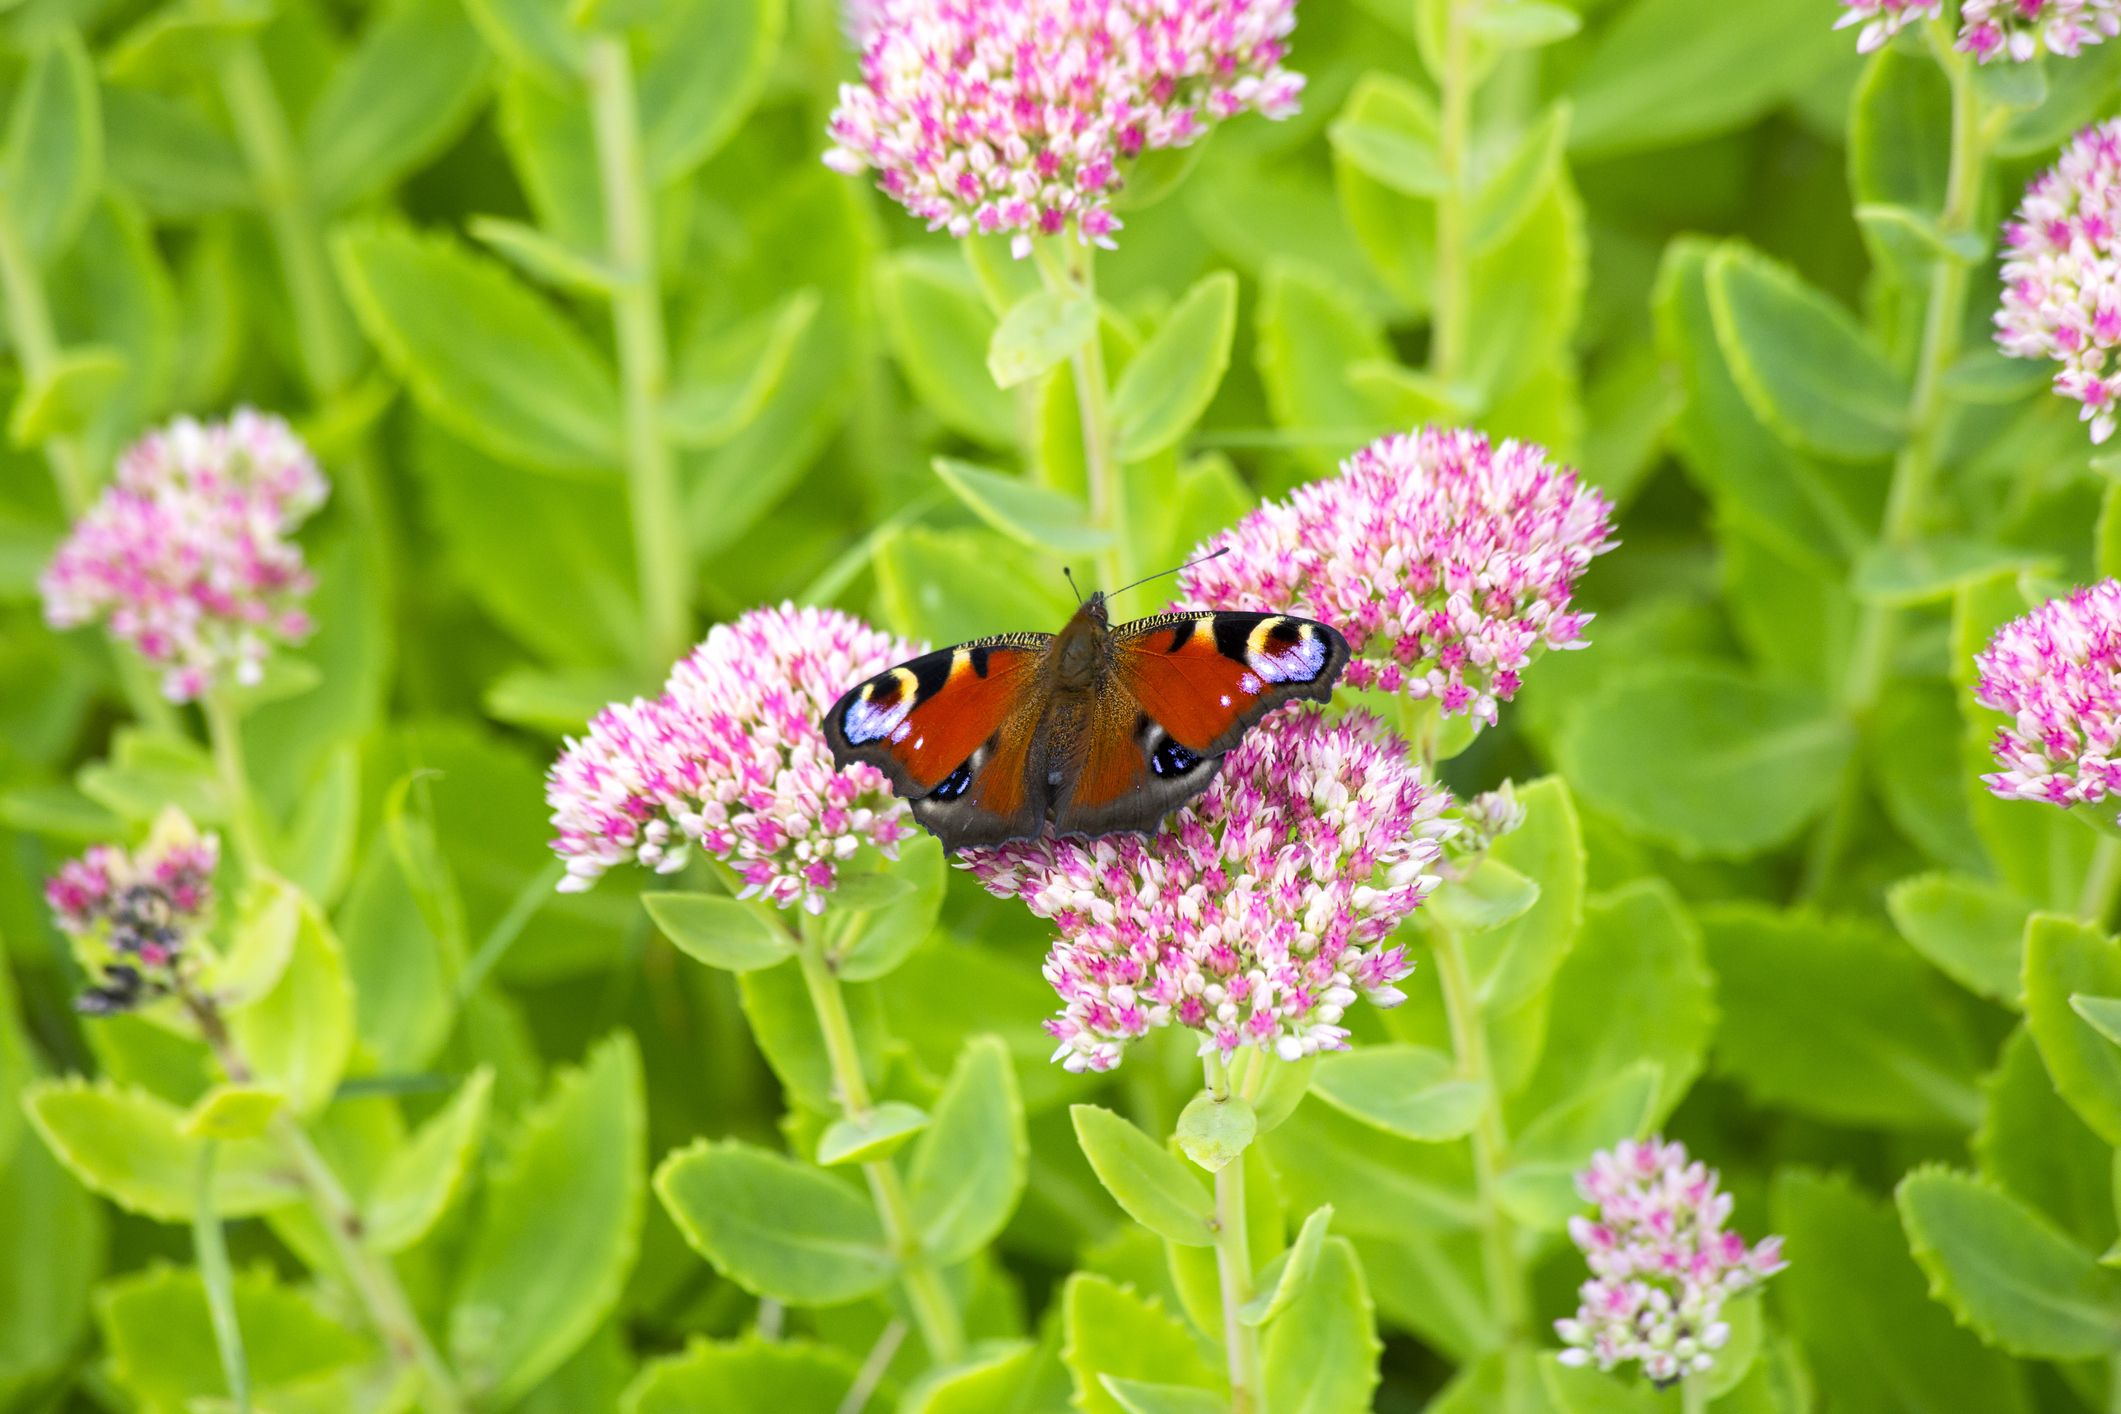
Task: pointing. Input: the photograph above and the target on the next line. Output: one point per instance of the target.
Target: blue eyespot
(954, 785)
(1170, 759)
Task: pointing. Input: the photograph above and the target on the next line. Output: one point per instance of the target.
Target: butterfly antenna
(1175, 569)
(1069, 575)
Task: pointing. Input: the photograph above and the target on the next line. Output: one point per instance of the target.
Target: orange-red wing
(1204, 678)
(920, 721)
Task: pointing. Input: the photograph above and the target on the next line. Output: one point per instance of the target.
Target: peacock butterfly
(1089, 731)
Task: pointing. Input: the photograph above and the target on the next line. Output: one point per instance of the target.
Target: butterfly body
(1091, 730)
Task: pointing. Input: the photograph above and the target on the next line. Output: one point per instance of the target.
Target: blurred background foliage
(490, 255)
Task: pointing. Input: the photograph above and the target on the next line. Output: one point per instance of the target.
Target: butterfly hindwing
(952, 730)
(1184, 689)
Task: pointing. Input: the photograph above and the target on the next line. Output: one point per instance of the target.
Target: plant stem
(224, 733)
(373, 1278)
(1505, 1273)
(2102, 883)
(942, 1329)
(210, 1249)
(1450, 299)
(1233, 1249)
(1915, 469)
(1693, 1394)
(1093, 399)
(659, 538)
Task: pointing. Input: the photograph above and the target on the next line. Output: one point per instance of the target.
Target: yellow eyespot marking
(882, 708)
(1283, 650)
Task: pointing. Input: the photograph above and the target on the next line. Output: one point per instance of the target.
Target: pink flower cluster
(1661, 1263)
(1017, 115)
(730, 757)
(2020, 29)
(1257, 916)
(1445, 558)
(1882, 19)
(187, 556)
(140, 908)
(2062, 273)
(2056, 672)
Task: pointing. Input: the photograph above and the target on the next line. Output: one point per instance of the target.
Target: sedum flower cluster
(1447, 559)
(1019, 116)
(730, 758)
(2017, 30)
(188, 556)
(2061, 275)
(134, 914)
(2056, 673)
(1661, 1263)
(1255, 917)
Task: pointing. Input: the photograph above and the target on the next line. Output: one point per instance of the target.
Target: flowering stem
(1450, 299)
(1914, 470)
(1092, 397)
(1505, 1273)
(1693, 1394)
(374, 1280)
(659, 538)
(1233, 1249)
(210, 1250)
(2102, 882)
(942, 1330)
(224, 733)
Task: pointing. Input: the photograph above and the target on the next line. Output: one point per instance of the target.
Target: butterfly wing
(953, 731)
(1184, 690)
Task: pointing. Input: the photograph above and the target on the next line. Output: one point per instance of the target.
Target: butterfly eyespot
(1282, 650)
(954, 785)
(1170, 759)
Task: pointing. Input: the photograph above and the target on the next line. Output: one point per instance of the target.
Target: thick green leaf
(1972, 930)
(2006, 1272)
(421, 1178)
(1539, 1184)
(953, 585)
(65, 397)
(1281, 1280)
(726, 377)
(1805, 366)
(298, 1037)
(407, 89)
(748, 1376)
(1170, 382)
(1146, 1397)
(131, 1147)
(1406, 1090)
(1320, 1353)
(1858, 1304)
(719, 931)
(1933, 570)
(939, 332)
(1515, 960)
(774, 1226)
(2102, 1014)
(1489, 896)
(1157, 1190)
(1311, 331)
(969, 1165)
(878, 1134)
(2033, 1144)
(52, 1242)
(169, 158)
(1707, 759)
(1396, 232)
(159, 1335)
(1024, 511)
(561, 1222)
(1525, 24)
(233, 1112)
(1884, 1048)
(483, 355)
(2064, 957)
(1642, 86)
(53, 167)
(1040, 330)
(1213, 1132)
(1109, 1332)
(711, 62)
(1402, 158)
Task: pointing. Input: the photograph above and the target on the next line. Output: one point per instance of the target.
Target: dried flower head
(1882, 19)
(2056, 672)
(134, 914)
(1020, 115)
(187, 556)
(1256, 916)
(2062, 273)
(1447, 560)
(2019, 29)
(730, 758)
(1661, 1263)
